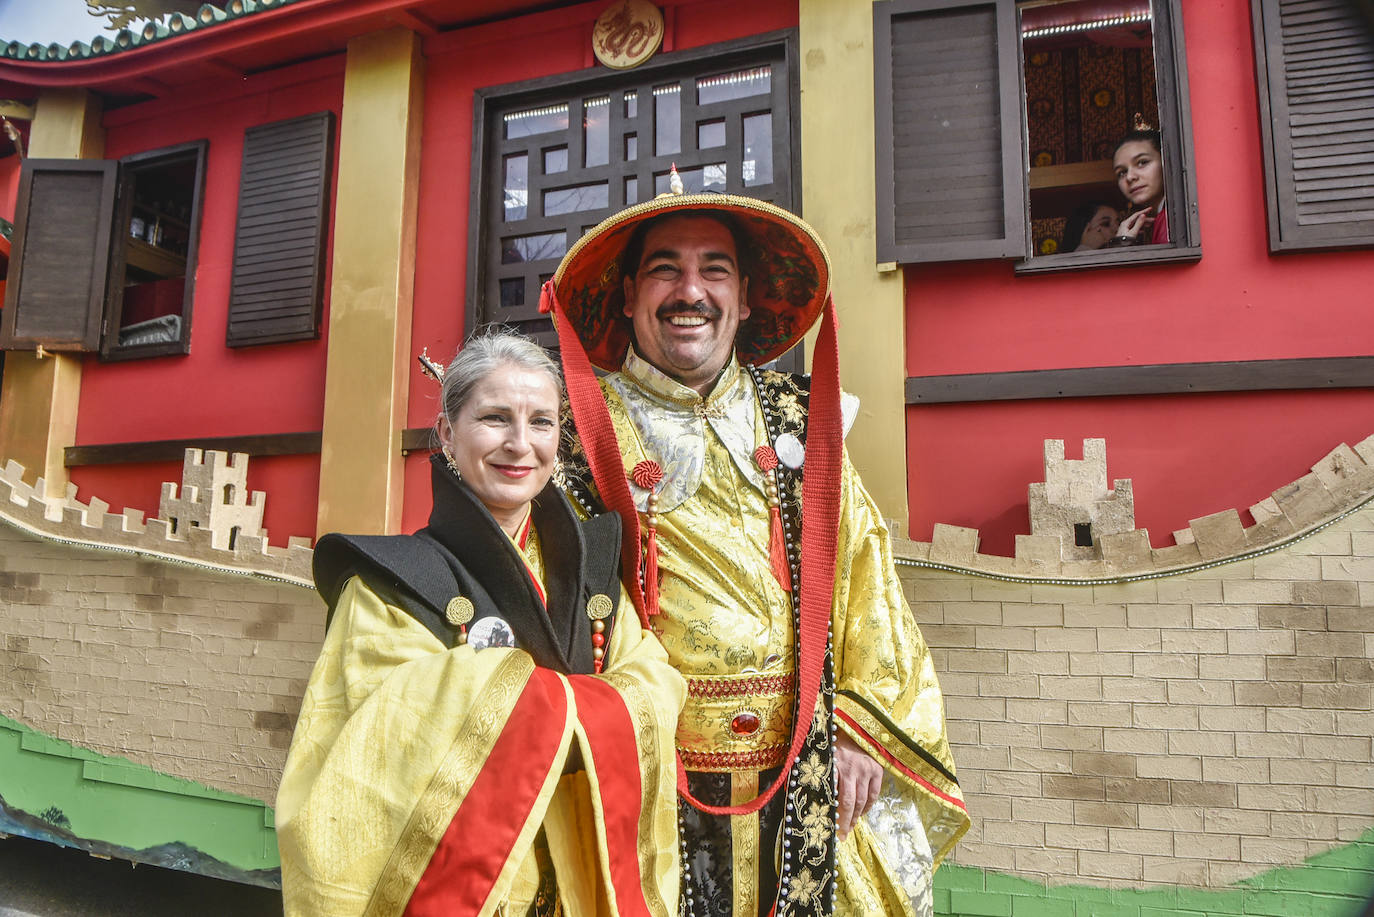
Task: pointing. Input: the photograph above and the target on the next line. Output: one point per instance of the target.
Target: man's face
(687, 299)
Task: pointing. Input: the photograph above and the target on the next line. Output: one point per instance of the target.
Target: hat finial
(674, 181)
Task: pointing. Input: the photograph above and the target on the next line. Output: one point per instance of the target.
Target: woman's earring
(452, 464)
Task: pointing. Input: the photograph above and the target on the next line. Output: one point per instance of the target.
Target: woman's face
(1100, 229)
(505, 440)
(1140, 173)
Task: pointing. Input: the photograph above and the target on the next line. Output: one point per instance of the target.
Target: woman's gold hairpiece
(427, 366)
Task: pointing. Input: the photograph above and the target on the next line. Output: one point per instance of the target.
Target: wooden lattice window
(558, 158)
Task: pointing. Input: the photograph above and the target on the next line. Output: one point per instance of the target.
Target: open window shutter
(61, 257)
(951, 173)
(278, 279)
(1315, 60)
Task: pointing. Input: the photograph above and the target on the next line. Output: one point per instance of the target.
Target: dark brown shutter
(61, 256)
(278, 279)
(1315, 60)
(951, 173)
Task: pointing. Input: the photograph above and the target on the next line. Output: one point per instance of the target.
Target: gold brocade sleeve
(884, 676)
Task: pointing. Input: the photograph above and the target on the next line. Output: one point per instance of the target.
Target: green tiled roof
(171, 26)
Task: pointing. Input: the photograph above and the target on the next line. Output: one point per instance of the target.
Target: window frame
(295, 165)
(1171, 78)
(101, 325)
(1013, 157)
(1286, 234)
(88, 339)
(110, 351)
(779, 47)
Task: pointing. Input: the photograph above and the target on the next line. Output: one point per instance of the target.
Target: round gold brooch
(459, 611)
(599, 606)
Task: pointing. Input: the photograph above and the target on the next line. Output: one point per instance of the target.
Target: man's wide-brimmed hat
(784, 259)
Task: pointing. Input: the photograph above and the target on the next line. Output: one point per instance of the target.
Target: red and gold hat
(786, 263)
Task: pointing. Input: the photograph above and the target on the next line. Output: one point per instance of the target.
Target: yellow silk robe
(724, 612)
(394, 732)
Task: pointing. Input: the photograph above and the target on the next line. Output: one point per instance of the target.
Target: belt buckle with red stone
(746, 722)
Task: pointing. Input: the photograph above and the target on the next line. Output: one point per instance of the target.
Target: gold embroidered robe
(724, 613)
(420, 777)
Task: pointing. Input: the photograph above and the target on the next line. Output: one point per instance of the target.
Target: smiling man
(685, 297)
(816, 776)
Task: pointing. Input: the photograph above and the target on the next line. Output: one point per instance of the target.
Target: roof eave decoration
(177, 38)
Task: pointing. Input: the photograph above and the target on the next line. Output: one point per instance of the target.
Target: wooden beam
(155, 88)
(16, 111)
(418, 439)
(413, 439)
(221, 68)
(414, 21)
(173, 450)
(368, 366)
(1161, 379)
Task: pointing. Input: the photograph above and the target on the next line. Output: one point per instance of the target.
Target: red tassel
(767, 460)
(647, 474)
(777, 550)
(651, 568)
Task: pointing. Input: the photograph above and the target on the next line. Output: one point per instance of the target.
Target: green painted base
(54, 791)
(1337, 883)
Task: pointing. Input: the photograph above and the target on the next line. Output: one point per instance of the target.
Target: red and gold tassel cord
(819, 541)
(647, 474)
(767, 460)
(599, 442)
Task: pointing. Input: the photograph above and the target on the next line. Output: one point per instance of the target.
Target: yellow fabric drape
(393, 731)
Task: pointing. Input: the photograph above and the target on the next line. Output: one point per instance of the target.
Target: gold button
(599, 606)
(459, 611)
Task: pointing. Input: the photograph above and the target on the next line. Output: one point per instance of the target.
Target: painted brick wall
(189, 671)
(1193, 730)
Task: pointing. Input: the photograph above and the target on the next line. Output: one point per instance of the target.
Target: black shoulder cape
(463, 552)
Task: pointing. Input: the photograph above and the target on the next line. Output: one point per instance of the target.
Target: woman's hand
(1132, 227)
(860, 780)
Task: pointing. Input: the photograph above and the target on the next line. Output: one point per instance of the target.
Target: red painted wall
(9, 185)
(1188, 455)
(214, 390)
(458, 64)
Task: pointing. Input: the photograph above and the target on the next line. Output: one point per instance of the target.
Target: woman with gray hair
(488, 729)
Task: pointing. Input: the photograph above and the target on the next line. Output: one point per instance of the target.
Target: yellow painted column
(38, 403)
(838, 200)
(372, 285)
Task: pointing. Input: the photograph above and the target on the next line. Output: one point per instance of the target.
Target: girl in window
(1139, 166)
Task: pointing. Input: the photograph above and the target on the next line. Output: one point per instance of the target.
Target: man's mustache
(705, 310)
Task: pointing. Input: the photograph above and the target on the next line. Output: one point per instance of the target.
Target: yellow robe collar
(670, 421)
